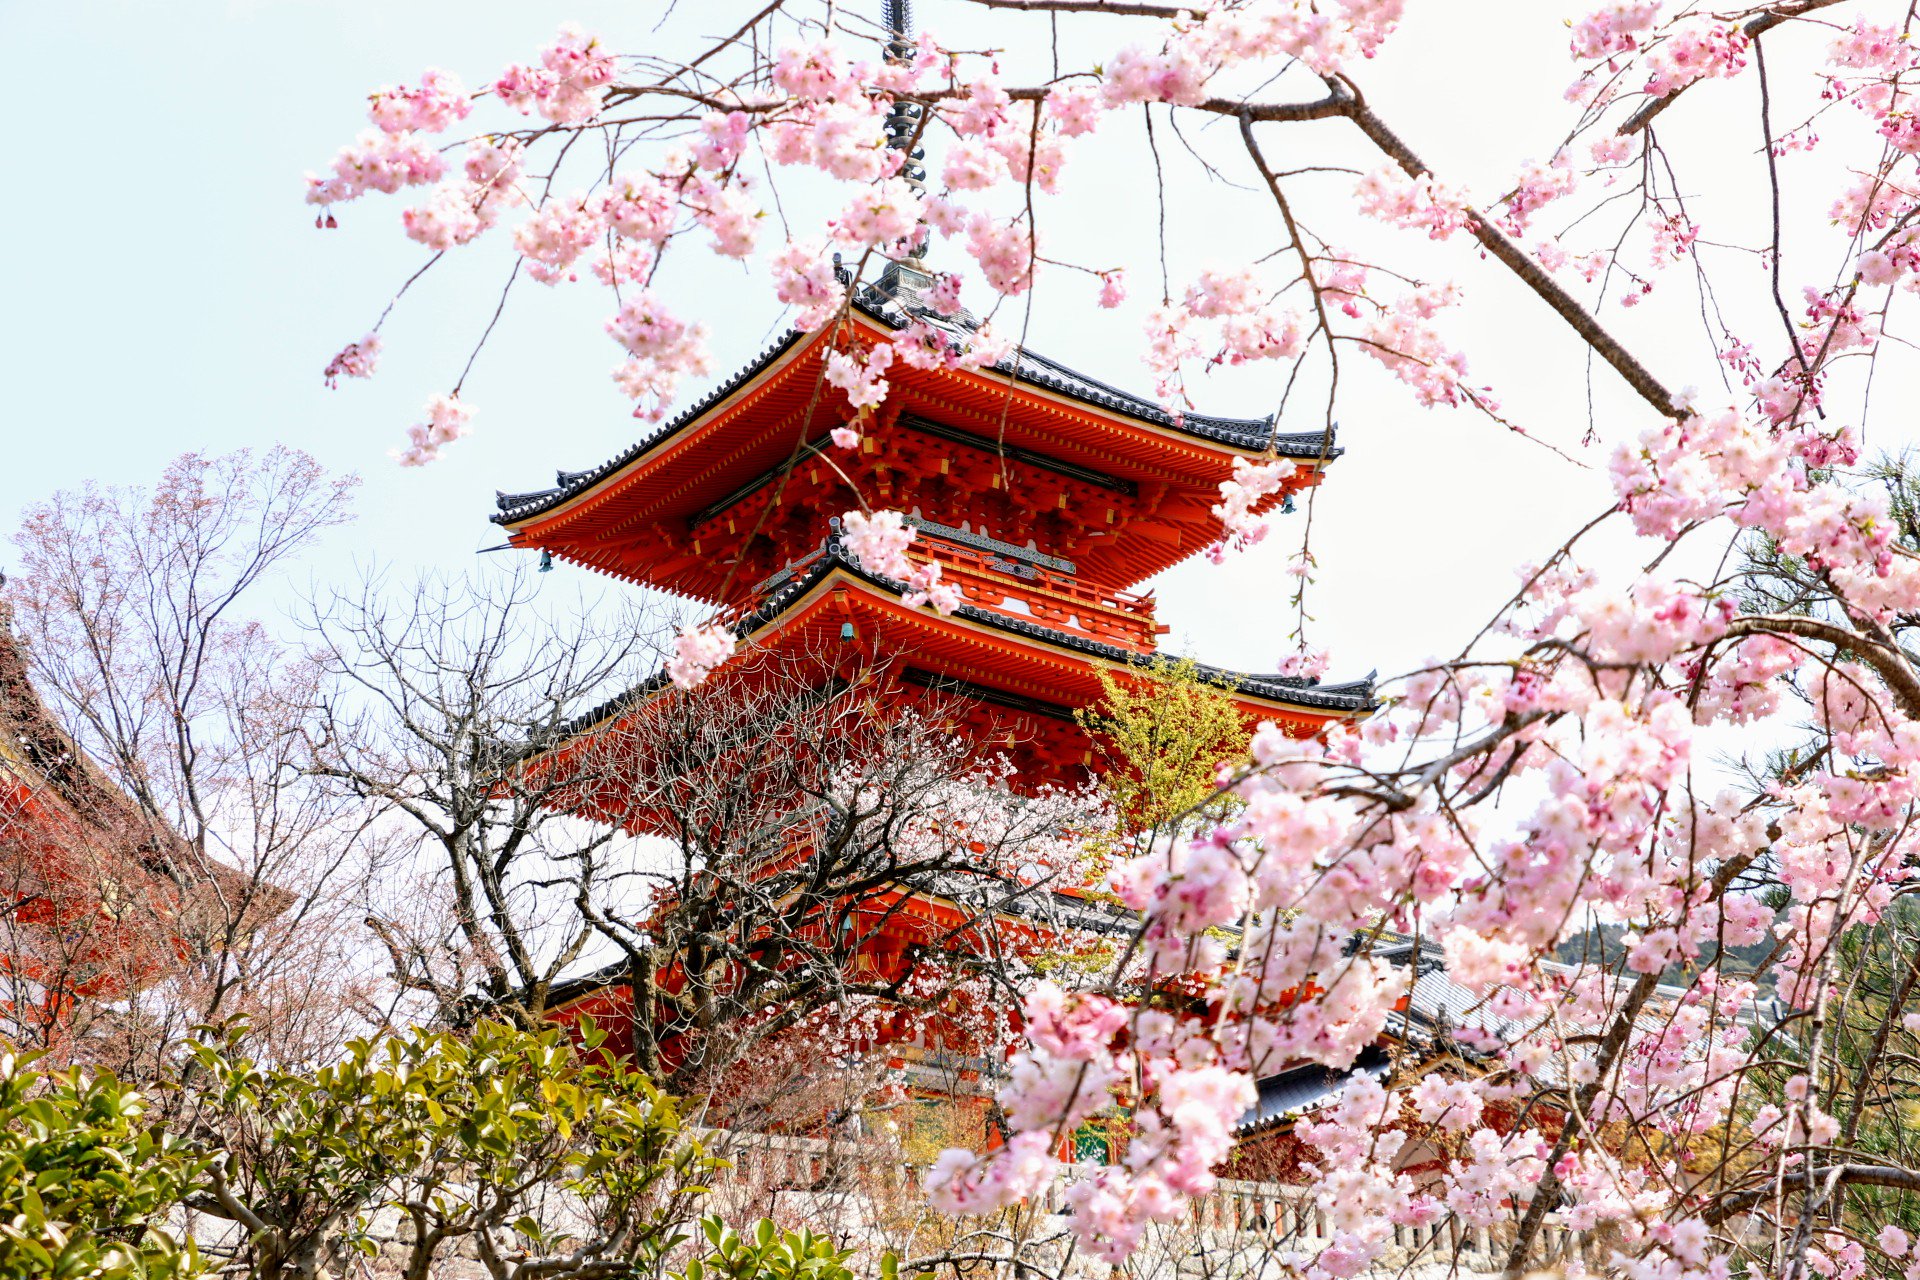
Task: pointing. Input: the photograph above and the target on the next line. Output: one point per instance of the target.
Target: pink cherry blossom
(1005, 252)
(803, 279)
(1251, 483)
(1614, 28)
(1695, 48)
(447, 418)
(565, 87)
(973, 166)
(848, 140)
(355, 360)
(861, 379)
(879, 215)
(814, 71)
(729, 213)
(557, 234)
(878, 543)
(1074, 109)
(944, 296)
(723, 136)
(638, 206)
(377, 161)
(982, 111)
(697, 652)
(439, 103)
(450, 217)
(663, 347)
(1391, 196)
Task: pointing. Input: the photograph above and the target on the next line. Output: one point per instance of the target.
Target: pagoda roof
(37, 754)
(1289, 693)
(1024, 367)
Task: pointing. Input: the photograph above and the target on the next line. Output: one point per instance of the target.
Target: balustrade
(1050, 598)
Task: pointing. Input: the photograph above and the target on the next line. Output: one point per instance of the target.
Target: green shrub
(86, 1182)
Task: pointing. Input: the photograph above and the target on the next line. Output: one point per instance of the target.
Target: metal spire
(904, 118)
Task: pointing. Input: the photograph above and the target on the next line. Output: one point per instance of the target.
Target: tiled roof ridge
(1024, 365)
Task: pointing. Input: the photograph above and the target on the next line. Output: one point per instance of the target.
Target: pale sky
(165, 290)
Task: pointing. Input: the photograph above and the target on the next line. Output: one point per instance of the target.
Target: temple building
(1046, 497)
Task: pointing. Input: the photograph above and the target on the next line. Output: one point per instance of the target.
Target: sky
(166, 291)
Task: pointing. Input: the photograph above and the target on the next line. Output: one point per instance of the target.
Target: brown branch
(1531, 273)
(1859, 1175)
(1775, 15)
(1886, 660)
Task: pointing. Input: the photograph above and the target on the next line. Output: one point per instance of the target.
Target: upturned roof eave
(1285, 695)
(1250, 436)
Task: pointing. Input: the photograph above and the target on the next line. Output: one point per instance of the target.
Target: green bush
(463, 1136)
(87, 1182)
(466, 1138)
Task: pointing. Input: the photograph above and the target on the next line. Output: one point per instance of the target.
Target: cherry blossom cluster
(355, 360)
(439, 103)
(879, 542)
(1252, 482)
(447, 418)
(662, 348)
(697, 652)
(1067, 1071)
(565, 86)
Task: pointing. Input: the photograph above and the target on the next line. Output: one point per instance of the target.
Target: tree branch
(1776, 14)
(1859, 1175)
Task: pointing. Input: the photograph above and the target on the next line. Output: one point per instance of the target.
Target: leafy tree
(496, 1139)
(771, 1254)
(516, 1121)
(1162, 739)
(304, 1158)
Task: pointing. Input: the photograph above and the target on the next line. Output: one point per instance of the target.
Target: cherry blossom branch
(1883, 656)
(1776, 14)
(1523, 265)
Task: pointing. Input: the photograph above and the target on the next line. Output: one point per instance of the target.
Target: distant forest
(1601, 943)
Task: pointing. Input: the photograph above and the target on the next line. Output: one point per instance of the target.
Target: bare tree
(440, 684)
(826, 848)
(137, 615)
(750, 855)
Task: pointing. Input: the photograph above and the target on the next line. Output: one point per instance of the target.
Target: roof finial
(904, 118)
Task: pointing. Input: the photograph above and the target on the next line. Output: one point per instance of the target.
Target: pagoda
(1046, 498)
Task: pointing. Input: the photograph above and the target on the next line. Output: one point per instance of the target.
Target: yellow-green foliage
(1160, 738)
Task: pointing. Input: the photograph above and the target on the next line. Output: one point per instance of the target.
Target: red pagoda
(1045, 496)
